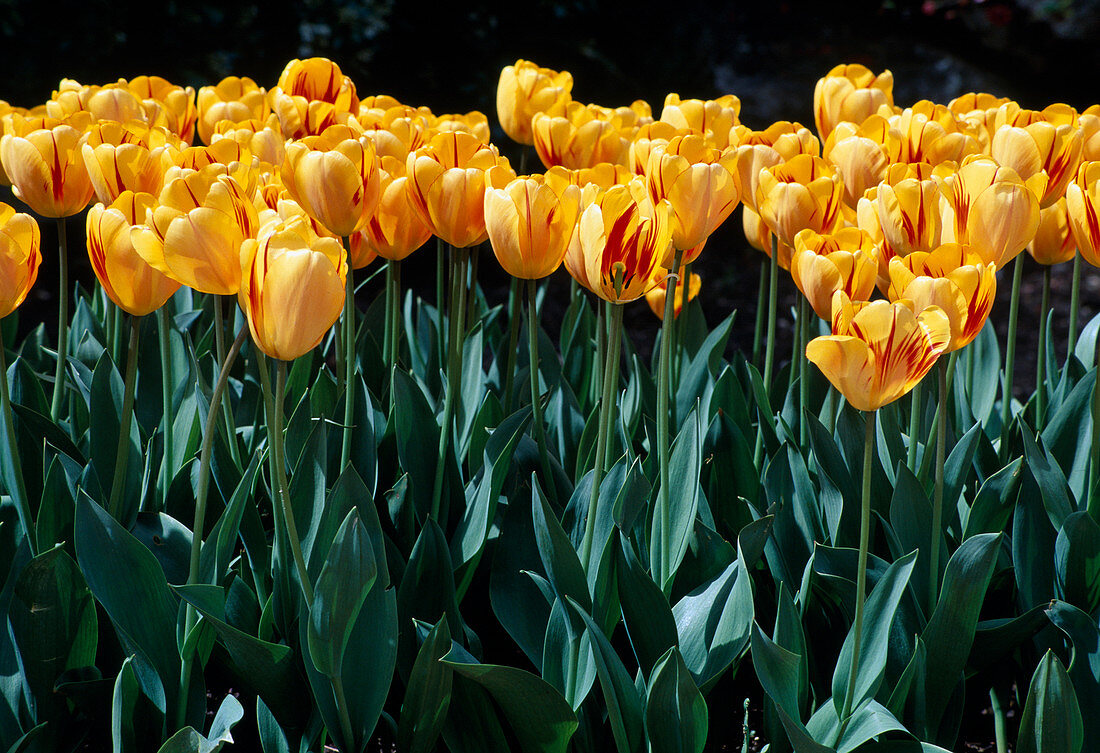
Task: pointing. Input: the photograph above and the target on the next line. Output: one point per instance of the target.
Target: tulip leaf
(1033, 541)
(107, 390)
(714, 622)
(217, 549)
(1051, 722)
(1056, 494)
(1085, 347)
(124, 702)
(675, 713)
(187, 740)
(1084, 670)
(685, 466)
(778, 672)
(559, 559)
(993, 505)
(468, 401)
(649, 621)
(1063, 432)
(416, 429)
(986, 353)
(567, 662)
(867, 721)
(1077, 562)
(959, 466)
(428, 695)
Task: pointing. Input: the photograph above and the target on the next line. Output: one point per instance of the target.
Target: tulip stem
(536, 393)
(1074, 296)
(276, 440)
(350, 361)
(393, 282)
(514, 305)
(678, 324)
(454, 371)
(1041, 358)
(664, 516)
(761, 314)
(1010, 356)
(471, 299)
(226, 404)
(122, 454)
(1000, 735)
(914, 426)
(440, 275)
(601, 350)
(15, 467)
(610, 381)
(62, 321)
(803, 370)
(168, 469)
(937, 495)
(861, 567)
(769, 349)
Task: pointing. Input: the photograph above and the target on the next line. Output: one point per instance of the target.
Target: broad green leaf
(1051, 722)
(675, 712)
(714, 622)
(867, 721)
(559, 558)
(567, 662)
(649, 621)
(993, 505)
(1077, 562)
(123, 709)
(428, 695)
(1057, 497)
(1084, 670)
(777, 669)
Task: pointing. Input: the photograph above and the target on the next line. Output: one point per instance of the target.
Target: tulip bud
(20, 255)
(1083, 208)
(233, 100)
(1053, 242)
(850, 93)
(530, 224)
(525, 90)
(47, 171)
(394, 229)
(312, 95)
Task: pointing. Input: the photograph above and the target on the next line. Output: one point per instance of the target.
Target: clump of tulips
(424, 521)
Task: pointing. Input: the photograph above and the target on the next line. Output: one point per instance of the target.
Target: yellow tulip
(530, 224)
(194, 232)
(1041, 147)
(1083, 208)
(646, 139)
(394, 229)
(128, 280)
(20, 255)
(604, 176)
(474, 123)
(447, 181)
(859, 155)
(788, 139)
(1090, 134)
(978, 109)
(990, 209)
(167, 105)
(700, 184)
(623, 237)
(394, 131)
(712, 117)
(931, 133)
(760, 237)
(802, 193)
(846, 260)
(656, 296)
(850, 93)
(1053, 242)
(112, 102)
(524, 90)
(953, 278)
(334, 177)
(904, 212)
(47, 171)
(879, 351)
(292, 288)
(127, 157)
(261, 139)
(581, 136)
(234, 100)
(312, 95)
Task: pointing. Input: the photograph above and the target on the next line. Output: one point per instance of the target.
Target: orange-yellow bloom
(20, 255)
(292, 290)
(235, 100)
(394, 229)
(47, 171)
(1083, 207)
(712, 118)
(1041, 147)
(804, 192)
(312, 95)
(879, 351)
(823, 264)
(128, 280)
(127, 157)
(760, 237)
(166, 104)
(859, 155)
(447, 181)
(530, 224)
(581, 136)
(904, 213)
(952, 278)
(1053, 242)
(334, 177)
(850, 93)
(261, 139)
(927, 132)
(524, 90)
(656, 297)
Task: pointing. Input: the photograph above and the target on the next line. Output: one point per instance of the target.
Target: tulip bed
(243, 504)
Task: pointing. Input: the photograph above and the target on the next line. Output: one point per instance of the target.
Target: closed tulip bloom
(395, 132)
(128, 280)
(474, 123)
(760, 237)
(581, 136)
(788, 139)
(823, 264)
(850, 93)
(394, 229)
(292, 289)
(447, 181)
(879, 351)
(112, 102)
(20, 255)
(931, 133)
(1053, 242)
(802, 193)
(990, 209)
(530, 224)
(699, 182)
(334, 177)
(604, 176)
(1041, 147)
(907, 212)
(127, 157)
(646, 139)
(711, 117)
(261, 139)
(952, 278)
(47, 171)
(234, 99)
(859, 155)
(195, 231)
(978, 109)
(1090, 134)
(624, 238)
(312, 95)
(750, 161)
(1083, 208)
(656, 296)
(168, 105)
(524, 90)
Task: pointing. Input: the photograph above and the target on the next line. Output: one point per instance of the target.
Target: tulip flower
(656, 296)
(904, 214)
(524, 90)
(712, 118)
(1040, 147)
(334, 177)
(979, 110)
(859, 155)
(603, 176)
(646, 139)
(47, 171)
(127, 157)
(1053, 242)
(931, 133)
(529, 224)
(233, 100)
(166, 104)
(1090, 134)
(394, 230)
(760, 237)
(312, 95)
(1083, 209)
(823, 264)
(580, 136)
(447, 181)
(261, 139)
(802, 193)
(113, 102)
(395, 131)
(292, 287)
(474, 123)
(128, 280)
(850, 93)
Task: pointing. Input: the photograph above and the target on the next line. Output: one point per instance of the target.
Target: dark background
(448, 56)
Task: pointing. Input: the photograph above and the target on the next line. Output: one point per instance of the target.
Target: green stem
(514, 305)
(165, 334)
(454, 372)
(678, 325)
(914, 427)
(1010, 356)
(536, 402)
(276, 438)
(395, 315)
(387, 335)
(342, 708)
(804, 314)
(610, 380)
(471, 298)
(227, 405)
(440, 276)
(769, 348)
(62, 322)
(122, 454)
(1041, 356)
(19, 493)
(601, 349)
(999, 733)
(664, 516)
(1074, 297)
(349, 364)
(761, 314)
(937, 496)
(861, 567)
